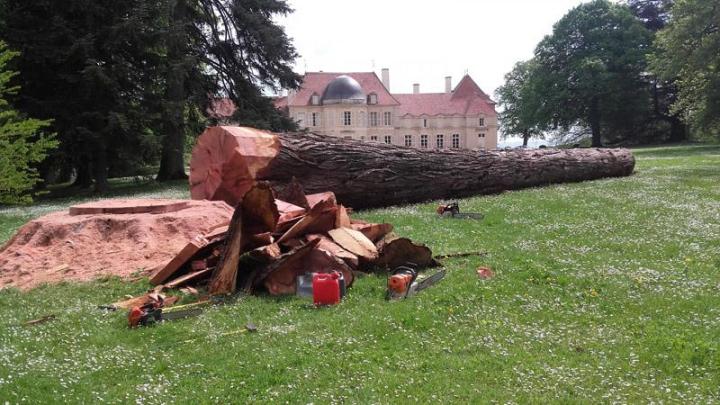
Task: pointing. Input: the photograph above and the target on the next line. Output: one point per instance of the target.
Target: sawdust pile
(63, 247)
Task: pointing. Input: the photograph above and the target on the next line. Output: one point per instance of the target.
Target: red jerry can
(326, 288)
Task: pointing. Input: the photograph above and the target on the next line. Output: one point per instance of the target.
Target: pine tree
(227, 48)
(22, 141)
(88, 65)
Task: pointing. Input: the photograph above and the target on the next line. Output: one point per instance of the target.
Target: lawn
(605, 291)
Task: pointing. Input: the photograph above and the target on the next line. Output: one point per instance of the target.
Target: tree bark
(370, 174)
(100, 169)
(526, 137)
(172, 165)
(83, 179)
(594, 120)
(678, 130)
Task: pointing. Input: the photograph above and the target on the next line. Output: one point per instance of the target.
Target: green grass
(605, 291)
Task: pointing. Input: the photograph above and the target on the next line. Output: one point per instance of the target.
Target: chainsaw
(152, 311)
(403, 282)
(453, 210)
(148, 313)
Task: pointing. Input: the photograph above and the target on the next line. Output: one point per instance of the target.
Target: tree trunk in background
(370, 174)
(84, 175)
(678, 130)
(526, 137)
(594, 121)
(172, 166)
(100, 169)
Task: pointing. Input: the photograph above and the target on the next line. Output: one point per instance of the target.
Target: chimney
(386, 78)
(416, 88)
(448, 84)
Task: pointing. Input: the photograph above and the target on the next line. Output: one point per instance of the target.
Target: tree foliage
(520, 103)
(654, 14)
(22, 141)
(590, 71)
(231, 48)
(85, 64)
(689, 50)
(124, 82)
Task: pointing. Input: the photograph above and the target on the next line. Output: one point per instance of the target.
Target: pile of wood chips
(271, 241)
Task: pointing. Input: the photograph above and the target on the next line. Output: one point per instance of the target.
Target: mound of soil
(59, 246)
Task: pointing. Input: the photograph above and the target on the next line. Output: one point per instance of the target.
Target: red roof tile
(315, 83)
(466, 99)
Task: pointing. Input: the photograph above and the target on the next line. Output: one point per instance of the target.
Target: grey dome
(343, 89)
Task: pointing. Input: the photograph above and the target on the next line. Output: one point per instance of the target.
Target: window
(439, 141)
(387, 118)
(315, 119)
(408, 140)
(301, 119)
(424, 122)
(373, 138)
(456, 141)
(373, 119)
(372, 98)
(481, 135)
(362, 137)
(424, 141)
(481, 122)
(315, 99)
(347, 118)
(347, 137)
(388, 139)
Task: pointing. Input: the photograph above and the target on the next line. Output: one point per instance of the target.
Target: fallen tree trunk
(369, 174)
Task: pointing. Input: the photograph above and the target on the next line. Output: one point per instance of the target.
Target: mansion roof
(466, 99)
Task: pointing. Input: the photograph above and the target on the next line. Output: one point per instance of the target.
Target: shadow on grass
(678, 151)
(116, 188)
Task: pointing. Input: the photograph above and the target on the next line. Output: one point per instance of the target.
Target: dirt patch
(59, 246)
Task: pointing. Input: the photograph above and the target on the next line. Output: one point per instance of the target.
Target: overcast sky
(421, 41)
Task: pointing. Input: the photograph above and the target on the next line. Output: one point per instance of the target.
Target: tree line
(113, 87)
(637, 72)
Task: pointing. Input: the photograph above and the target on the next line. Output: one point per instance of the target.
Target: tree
(125, 82)
(520, 102)
(590, 71)
(230, 48)
(689, 50)
(655, 14)
(22, 142)
(87, 65)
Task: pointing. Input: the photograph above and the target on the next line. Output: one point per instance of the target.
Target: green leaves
(22, 142)
(588, 73)
(689, 49)
(520, 102)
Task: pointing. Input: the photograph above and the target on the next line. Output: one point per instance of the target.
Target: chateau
(359, 106)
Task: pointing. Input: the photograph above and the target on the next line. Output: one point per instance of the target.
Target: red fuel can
(326, 288)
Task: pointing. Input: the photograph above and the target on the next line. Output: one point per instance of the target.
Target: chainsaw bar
(430, 281)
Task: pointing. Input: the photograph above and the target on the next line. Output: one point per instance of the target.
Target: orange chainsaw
(403, 282)
(452, 210)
